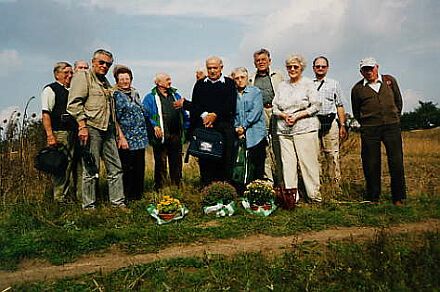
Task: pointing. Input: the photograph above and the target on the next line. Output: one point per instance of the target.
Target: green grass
(61, 234)
(387, 263)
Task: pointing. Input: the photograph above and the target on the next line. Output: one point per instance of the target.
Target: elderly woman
(132, 133)
(249, 123)
(295, 105)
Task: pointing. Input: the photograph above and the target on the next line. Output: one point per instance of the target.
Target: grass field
(33, 227)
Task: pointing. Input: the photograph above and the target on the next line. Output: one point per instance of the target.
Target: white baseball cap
(368, 62)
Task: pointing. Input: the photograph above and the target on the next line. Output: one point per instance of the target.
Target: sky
(176, 36)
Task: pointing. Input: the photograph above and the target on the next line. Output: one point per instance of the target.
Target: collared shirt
(48, 98)
(250, 116)
(264, 83)
(221, 79)
(291, 98)
(91, 99)
(376, 85)
(330, 95)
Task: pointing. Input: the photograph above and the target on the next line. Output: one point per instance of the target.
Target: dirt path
(269, 245)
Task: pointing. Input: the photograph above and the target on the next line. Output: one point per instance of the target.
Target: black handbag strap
(186, 159)
(320, 85)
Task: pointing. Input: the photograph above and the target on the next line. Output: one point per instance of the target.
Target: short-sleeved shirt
(330, 95)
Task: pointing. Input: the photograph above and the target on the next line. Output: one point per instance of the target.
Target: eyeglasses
(102, 62)
(320, 66)
(295, 67)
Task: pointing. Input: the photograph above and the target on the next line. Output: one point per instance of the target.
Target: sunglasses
(320, 66)
(295, 67)
(102, 62)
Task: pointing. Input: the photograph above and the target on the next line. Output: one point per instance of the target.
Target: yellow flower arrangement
(259, 192)
(168, 205)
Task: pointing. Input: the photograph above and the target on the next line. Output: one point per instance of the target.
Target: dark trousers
(256, 158)
(171, 151)
(219, 170)
(133, 166)
(391, 137)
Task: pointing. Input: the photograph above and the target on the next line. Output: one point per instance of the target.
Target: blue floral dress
(131, 117)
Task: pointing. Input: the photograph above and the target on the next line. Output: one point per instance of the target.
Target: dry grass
(21, 182)
(421, 159)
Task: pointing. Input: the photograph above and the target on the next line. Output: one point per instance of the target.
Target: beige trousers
(302, 150)
(330, 149)
(269, 162)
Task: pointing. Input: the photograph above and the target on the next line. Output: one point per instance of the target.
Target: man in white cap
(377, 105)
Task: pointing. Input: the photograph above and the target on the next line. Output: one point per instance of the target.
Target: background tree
(425, 116)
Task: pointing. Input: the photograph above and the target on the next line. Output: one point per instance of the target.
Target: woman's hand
(289, 119)
(158, 132)
(122, 143)
(240, 132)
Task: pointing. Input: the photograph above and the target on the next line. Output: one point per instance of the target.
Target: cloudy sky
(175, 36)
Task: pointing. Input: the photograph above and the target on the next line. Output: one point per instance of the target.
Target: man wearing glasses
(332, 129)
(91, 104)
(377, 106)
(60, 128)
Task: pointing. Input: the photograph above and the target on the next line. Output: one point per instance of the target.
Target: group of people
(284, 125)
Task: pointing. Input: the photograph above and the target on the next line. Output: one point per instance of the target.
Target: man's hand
(179, 103)
(158, 132)
(51, 140)
(209, 120)
(343, 134)
(83, 135)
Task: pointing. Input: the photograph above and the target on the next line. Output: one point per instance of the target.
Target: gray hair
(159, 76)
(102, 52)
(215, 58)
(296, 58)
(78, 62)
(262, 51)
(60, 66)
(239, 70)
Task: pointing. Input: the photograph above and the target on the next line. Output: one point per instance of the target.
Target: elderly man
(169, 125)
(92, 105)
(267, 81)
(60, 128)
(80, 65)
(377, 106)
(332, 129)
(213, 106)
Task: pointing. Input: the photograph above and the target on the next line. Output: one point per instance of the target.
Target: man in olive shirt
(92, 105)
(377, 105)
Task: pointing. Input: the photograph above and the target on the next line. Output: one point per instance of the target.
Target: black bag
(240, 168)
(326, 123)
(89, 161)
(206, 143)
(52, 160)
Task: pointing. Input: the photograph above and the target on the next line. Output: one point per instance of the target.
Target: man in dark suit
(213, 106)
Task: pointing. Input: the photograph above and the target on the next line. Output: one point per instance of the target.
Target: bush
(218, 192)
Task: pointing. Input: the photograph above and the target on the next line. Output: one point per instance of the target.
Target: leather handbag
(206, 143)
(52, 160)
